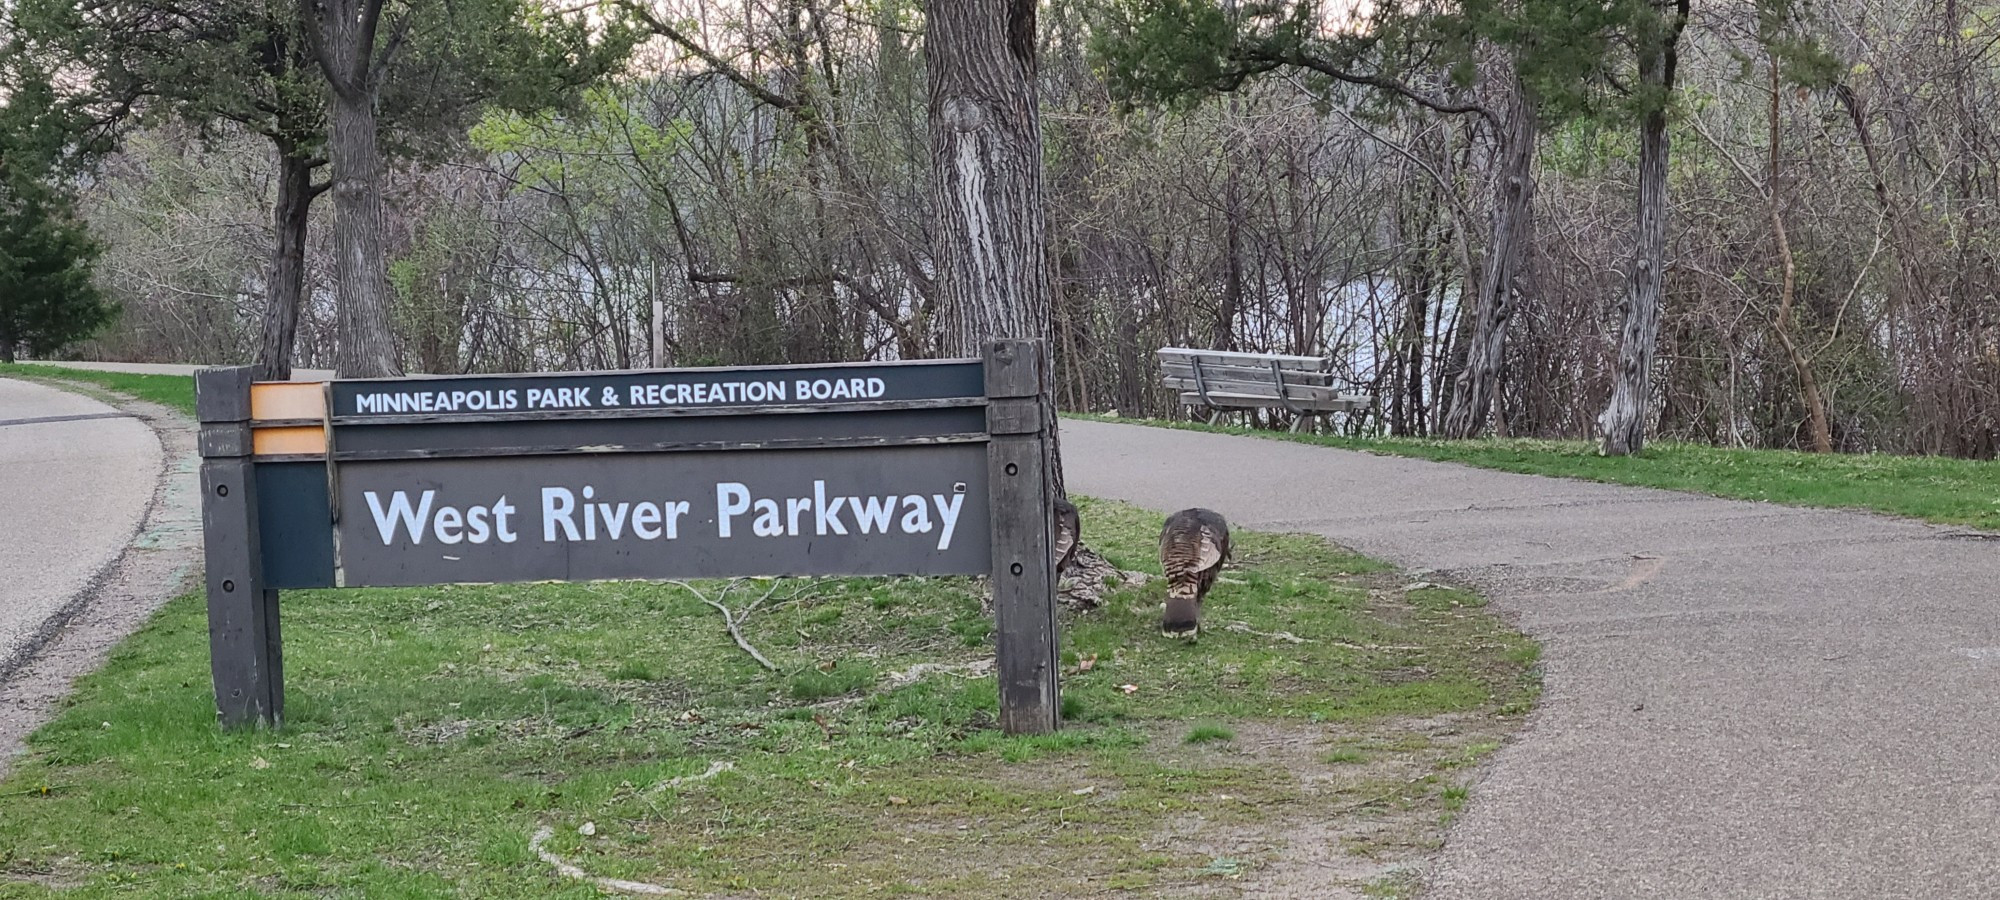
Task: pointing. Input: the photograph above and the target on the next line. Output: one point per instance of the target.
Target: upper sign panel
(660, 391)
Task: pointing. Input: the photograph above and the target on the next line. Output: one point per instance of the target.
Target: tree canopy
(48, 300)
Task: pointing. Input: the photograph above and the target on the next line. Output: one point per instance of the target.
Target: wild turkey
(1193, 546)
(1068, 526)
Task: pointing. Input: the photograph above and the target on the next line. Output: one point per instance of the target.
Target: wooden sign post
(915, 468)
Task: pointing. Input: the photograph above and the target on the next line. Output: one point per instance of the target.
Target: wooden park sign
(912, 468)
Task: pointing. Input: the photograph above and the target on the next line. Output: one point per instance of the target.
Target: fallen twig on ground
(734, 620)
(620, 885)
(1286, 636)
(715, 768)
(974, 669)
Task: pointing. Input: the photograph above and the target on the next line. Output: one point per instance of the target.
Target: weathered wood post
(245, 657)
(1024, 572)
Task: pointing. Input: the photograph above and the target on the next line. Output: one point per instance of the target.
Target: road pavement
(76, 478)
(1741, 700)
(165, 368)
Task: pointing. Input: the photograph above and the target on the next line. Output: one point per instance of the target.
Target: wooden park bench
(1222, 382)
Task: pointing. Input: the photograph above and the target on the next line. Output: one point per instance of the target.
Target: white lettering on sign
(447, 524)
(875, 514)
(437, 401)
(630, 396)
(579, 515)
(649, 521)
(841, 388)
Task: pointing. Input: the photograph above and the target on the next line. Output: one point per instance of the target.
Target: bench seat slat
(1264, 388)
(1173, 369)
(1342, 403)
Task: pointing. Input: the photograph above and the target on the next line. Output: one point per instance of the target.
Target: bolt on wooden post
(244, 648)
(1024, 572)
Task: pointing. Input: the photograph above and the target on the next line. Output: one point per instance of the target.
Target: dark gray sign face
(612, 393)
(908, 510)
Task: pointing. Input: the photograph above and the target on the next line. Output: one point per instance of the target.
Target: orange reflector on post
(289, 440)
(287, 400)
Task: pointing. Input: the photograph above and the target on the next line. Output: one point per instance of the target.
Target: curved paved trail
(1742, 700)
(76, 479)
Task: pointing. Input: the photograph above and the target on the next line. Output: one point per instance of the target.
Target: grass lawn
(1936, 489)
(1315, 741)
(431, 732)
(176, 391)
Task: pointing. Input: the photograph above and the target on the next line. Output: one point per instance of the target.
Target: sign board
(909, 510)
(918, 468)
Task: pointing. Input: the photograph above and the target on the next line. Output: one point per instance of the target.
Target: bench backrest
(1223, 378)
(1254, 368)
(1186, 356)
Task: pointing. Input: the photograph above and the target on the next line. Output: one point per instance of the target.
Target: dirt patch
(1367, 808)
(161, 562)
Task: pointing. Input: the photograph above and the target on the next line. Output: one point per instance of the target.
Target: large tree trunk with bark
(284, 284)
(367, 347)
(1477, 386)
(342, 35)
(1623, 422)
(986, 152)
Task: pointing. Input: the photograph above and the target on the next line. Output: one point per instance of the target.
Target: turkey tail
(1193, 546)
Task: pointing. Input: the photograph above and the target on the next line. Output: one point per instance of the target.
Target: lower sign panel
(910, 510)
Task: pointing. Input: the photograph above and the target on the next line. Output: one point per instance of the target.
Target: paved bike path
(76, 479)
(1741, 699)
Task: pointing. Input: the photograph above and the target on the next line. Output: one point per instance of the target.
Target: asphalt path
(76, 479)
(164, 368)
(1742, 700)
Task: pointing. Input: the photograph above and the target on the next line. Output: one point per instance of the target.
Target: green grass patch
(429, 732)
(1935, 489)
(1210, 732)
(176, 391)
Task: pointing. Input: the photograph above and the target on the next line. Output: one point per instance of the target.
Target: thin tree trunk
(1623, 422)
(284, 284)
(1478, 382)
(1809, 392)
(986, 152)
(1232, 287)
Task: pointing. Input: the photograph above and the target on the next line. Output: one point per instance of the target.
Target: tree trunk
(1478, 381)
(1232, 286)
(1623, 422)
(367, 347)
(1809, 392)
(342, 34)
(6, 334)
(986, 152)
(284, 284)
